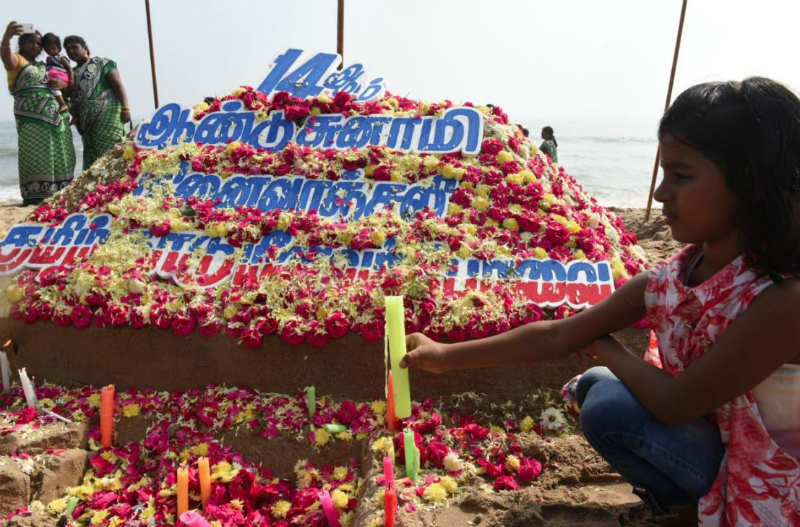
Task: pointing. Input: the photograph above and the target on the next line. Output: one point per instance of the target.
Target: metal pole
(152, 56)
(340, 32)
(666, 107)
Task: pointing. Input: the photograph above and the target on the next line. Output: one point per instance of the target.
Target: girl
(549, 146)
(719, 418)
(58, 66)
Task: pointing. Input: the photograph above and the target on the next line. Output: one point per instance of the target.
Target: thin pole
(152, 56)
(666, 107)
(340, 32)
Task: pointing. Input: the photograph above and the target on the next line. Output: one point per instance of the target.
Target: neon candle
(106, 415)
(391, 414)
(183, 490)
(389, 507)
(204, 474)
(311, 403)
(327, 507)
(396, 329)
(5, 371)
(27, 389)
(412, 454)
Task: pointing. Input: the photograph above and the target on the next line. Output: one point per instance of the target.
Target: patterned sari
(46, 155)
(96, 108)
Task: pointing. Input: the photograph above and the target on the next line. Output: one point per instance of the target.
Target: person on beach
(99, 101)
(549, 146)
(46, 157)
(713, 412)
(58, 66)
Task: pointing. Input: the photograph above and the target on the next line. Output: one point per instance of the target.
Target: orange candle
(183, 490)
(106, 415)
(205, 479)
(391, 419)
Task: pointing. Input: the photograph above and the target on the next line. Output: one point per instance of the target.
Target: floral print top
(758, 483)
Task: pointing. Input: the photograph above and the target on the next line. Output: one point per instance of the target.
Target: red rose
(81, 316)
(529, 469)
(337, 325)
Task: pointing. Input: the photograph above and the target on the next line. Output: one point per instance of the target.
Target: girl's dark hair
(547, 131)
(51, 38)
(751, 131)
(75, 39)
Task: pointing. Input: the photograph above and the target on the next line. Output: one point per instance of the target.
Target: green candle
(334, 428)
(396, 332)
(412, 454)
(311, 402)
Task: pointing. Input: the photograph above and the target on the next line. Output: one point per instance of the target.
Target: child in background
(58, 66)
(713, 413)
(549, 146)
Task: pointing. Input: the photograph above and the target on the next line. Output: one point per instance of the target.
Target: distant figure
(58, 66)
(549, 146)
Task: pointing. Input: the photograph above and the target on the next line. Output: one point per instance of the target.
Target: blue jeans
(673, 465)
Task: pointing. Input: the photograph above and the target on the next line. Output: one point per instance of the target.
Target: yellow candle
(204, 475)
(396, 333)
(183, 490)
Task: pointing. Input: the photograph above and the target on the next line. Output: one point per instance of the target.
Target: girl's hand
(425, 354)
(65, 61)
(125, 114)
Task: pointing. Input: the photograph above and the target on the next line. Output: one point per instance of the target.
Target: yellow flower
(527, 176)
(14, 293)
(382, 444)
(504, 156)
(339, 498)
(464, 251)
(280, 509)
(129, 153)
(223, 471)
(131, 410)
(370, 169)
(431, 163)
(512, 463)
(94, 400)
(435, 493)
(378, 408)
(200, 449)
(526, 425)
(517, 178)
(217, 230)
(321, 437)
(480, 203)
(454, 208)
(483, 190)
(618, 268)
(511, 224)
(324, 99)
(579, 255)
(340, 473)
(315, 110)
(56, 507)
(449, 483)
(378, 237)
(98, 517)
(540, 254)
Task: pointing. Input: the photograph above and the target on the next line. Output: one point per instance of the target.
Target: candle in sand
(27, 389)
(106, 415)
(183, 490)
(204, 474)
(396, 333)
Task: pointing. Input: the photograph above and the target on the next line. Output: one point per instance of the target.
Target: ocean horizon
(615, 170)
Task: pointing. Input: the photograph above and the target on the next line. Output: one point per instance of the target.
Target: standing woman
(99, 102)
(46, 155)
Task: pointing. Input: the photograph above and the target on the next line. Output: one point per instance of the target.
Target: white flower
(451, 462)
(552, 419)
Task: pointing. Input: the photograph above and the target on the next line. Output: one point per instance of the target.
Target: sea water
(615, 170)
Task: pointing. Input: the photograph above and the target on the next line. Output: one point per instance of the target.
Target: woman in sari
(99, 101)
(46, 155)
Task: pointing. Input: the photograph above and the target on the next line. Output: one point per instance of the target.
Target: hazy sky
(589, 67)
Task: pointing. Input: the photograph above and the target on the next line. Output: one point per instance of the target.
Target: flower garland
(511, 202)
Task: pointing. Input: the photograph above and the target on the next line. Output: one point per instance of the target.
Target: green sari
(46, 155)
(96, 108)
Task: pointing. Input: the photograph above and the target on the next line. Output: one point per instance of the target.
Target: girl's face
(52, 49)
(698, 204)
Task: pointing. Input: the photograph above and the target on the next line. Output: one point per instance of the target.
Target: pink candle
(194, 519)
(388, 472)
(330, 511)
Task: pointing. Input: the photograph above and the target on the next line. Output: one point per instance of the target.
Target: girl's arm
(10, 61)
(536, 341)
(763, 338)
(119, 90)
